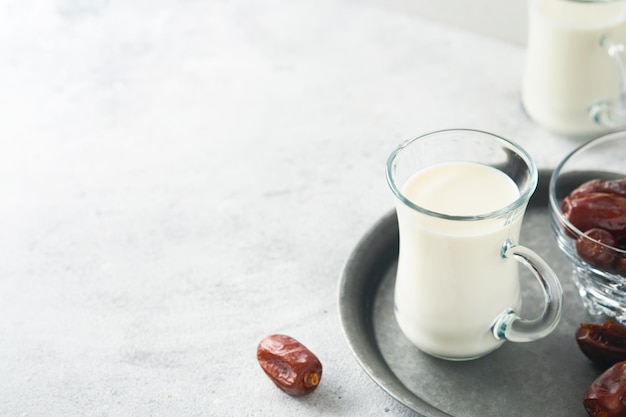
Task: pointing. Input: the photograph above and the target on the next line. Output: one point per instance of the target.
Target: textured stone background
(179, 179)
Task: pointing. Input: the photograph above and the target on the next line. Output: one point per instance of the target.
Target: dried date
(604, 344)
(289, 364)
(590, 247)
(597, 210)
(606, 395)
(600, 186)
(620, 265)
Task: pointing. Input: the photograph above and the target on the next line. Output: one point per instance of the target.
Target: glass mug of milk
(574, 79)
(460, 199)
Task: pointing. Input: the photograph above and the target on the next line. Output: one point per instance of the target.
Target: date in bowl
(588, 216)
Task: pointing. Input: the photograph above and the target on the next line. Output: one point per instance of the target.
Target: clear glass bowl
(599, 262)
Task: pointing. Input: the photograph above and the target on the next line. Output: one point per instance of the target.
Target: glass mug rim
(523, 198)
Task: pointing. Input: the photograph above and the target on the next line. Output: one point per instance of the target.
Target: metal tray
(542, 378)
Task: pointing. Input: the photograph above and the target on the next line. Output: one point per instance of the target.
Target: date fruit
(597, 210)
(600, 186)
(588, 248)
(604, 344)
(607, 394)
(289, 364)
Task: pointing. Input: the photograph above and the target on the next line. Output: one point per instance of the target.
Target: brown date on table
(605, 397)
(289, 364)
(604, 344)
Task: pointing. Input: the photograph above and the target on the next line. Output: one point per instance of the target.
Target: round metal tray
(542, 378)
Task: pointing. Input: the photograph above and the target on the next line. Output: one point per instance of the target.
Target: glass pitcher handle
(509, 326)
(606, 113)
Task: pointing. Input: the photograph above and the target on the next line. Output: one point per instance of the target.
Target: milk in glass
(567, 68)
(452, 281)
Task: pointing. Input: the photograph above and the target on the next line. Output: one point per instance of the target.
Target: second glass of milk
(574, 79)
(460, 199)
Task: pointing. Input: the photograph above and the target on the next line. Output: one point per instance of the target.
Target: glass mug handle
(509, 326)
(606, 113)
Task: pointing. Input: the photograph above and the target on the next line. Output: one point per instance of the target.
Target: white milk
(452, 281)
(567, 71)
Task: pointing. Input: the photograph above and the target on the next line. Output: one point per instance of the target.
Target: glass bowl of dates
(588, 216)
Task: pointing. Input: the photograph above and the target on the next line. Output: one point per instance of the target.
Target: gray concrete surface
(180, 179)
